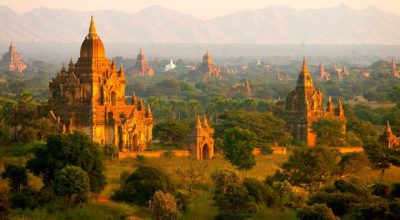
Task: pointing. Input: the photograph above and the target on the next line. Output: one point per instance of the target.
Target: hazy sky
(199, 8)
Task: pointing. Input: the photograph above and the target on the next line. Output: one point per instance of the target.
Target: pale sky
(203, 9)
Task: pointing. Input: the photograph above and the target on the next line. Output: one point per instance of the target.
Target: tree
(171, 132)
(69, 149)
(192, 174)
(311, 167)
(231, 196)
(329, 132)
(238, 148)
(141, 185)
(110, 151)
(71, 182)
(266, 128)
(381, 156)
(164, 206)
(17, 177)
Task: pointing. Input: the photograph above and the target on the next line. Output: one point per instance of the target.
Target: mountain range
(271, 25)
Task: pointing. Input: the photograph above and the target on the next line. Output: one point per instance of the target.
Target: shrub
(316, 212)
(30, 199)
(141, 158)
(141, 185)
(377, 211)
(266, 149)
(183, 200)
(111, 151)
(168, 154)
(17, 177)
(396, 190)
(260, 192)
(164, 206)
(340, 203)
(73, 183)
(75, 149)
(381, 189)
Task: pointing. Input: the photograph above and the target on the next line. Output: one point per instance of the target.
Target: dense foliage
(69, 149)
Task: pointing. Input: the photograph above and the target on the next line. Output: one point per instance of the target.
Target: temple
(244, 88)
(12, 60)
(141, 67)
(388, 138)
(208, 67)
(90, 96)
(304, 105)
(170, 66)
(201, 142)
(322, 73)
(394, 70)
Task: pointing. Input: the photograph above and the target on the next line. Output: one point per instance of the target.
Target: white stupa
(170, 66)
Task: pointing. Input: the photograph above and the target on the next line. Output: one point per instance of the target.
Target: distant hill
(272, 25)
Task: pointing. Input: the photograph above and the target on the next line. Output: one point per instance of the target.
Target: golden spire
(199, 123)
(92, 27)
(388, 128)
(340, 111)
(121, 71)
(149, 114)
(141, 51)
(205, 122)
(304, 68)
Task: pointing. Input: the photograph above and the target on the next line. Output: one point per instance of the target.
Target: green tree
(69, 149)
(164, 206)
(141, 185)
(329, 132)
(231, 196)
(238, 148)
(71, 182)
(311, 167)
(381, 156)
(171, 132)
(17, 177)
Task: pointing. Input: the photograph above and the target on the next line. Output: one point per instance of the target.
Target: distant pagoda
(12, 60)
(141, 67)
(304, 105)
(208, 67)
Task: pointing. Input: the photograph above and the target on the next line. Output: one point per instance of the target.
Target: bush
(340, 203)
(381, 189)
(183, 200)
(29, 199)
(163, 206)
(396, 190)
(266, 149)
(260, 192)
(141, 158)
(75, 149)
(17, 177)
(111, 151)
(316, 212)
(141, 185)
(73, 183)
(168, 154)
(379, 211)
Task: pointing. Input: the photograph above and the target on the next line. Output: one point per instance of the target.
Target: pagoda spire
(205, 122)
(388, 130)
(304, 67)
(121, 71)
(92, 27)
(199, 123)
(149, 114)
(340, 111)
(141, 51)
(329, 104)
(304, 79)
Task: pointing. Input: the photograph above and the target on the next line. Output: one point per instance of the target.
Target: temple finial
(388, 128)
(304, 68)
(92, 28)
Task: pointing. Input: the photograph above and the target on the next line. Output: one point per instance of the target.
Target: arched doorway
(135, 142)
(205, 153)
(113, 98)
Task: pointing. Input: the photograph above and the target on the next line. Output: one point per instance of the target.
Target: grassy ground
(202, 207)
